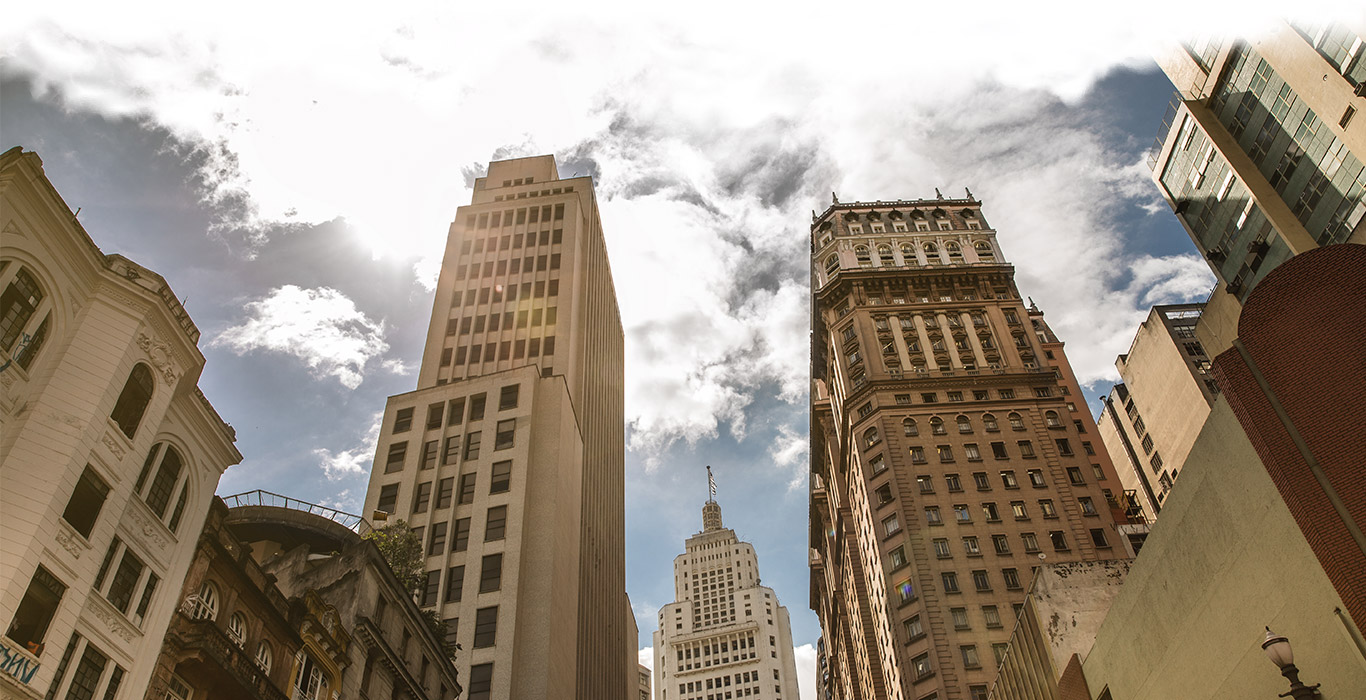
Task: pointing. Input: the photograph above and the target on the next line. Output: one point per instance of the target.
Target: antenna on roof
(968, 191)
(938, 194)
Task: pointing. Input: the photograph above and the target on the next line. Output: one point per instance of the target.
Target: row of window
(502, 321)
(490, 580)
(962, 513)
(204, 606)
(974, 454)
(505, 350)
(907, 255)
(498, 268)
(518, 217)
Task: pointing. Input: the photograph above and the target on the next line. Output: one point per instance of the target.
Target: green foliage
(402, 548)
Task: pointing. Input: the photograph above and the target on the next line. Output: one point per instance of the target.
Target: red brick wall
(1305, 329)
(1072, 684)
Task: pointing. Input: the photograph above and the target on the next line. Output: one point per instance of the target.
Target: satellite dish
(1042, 556)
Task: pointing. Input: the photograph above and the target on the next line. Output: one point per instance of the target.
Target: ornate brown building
(951, 451)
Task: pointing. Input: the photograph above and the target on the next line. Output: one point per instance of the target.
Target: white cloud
(806, 671)
(711, 141)
(353, 462)
(646, 657)
(320, 326)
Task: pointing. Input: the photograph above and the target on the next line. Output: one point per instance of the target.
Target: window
(503, 437)
(998, 450)
(86, 502)
(455, 412)
(890, 525)
(971, 546)
(1064, 447)
(972, 453)
(1026, 449)
(937, 426)
(430, 449)
(1012, 578)
(507, 397)
(932, 516)
(164, 466)
(403, 420)
(964, 425)
(422, 497)
(485, 633)
(970, 659)
(501, 477)
(22, 302)
(870, 437)
(909, 428)
(917, 454)
(397, 453)
(925, 482)
(1008, 480)
(957, 395)
(897, 558)
(1059, 540)
(491, 573)
(921, 664)
(1087, 507)
(477, 407)
(1074, 476)
(1046, 507)
(460, 537)
(1016, 422)
(430, 586)
(388, 498)
(905, 593)
(437, 541)
(36, 610)
(960, 618)
(961, 513)
(1050, 419)
(913, 628)
(467, 482)
(1018, 509)
(941, 548)
(1036, 479)
(434, 415)
(1001, 544)
(264, 656)
(981, 481)
(496, 525)
(977, 692)
(884, 494)
(472, 445)
(989, 510)
(981, 580)
(1098, 537)
(950, 580)
(452, 451)
(481, 680)
(953, 482)
(455, 584)
(133, 400)
(945, 453)
(877, 464)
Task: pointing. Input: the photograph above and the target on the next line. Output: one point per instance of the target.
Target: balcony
(218, 658)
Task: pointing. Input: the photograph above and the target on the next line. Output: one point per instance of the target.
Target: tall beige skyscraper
(725, 635)
(508, 459)
(951, 450)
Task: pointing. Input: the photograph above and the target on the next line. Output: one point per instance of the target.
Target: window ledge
(71, 540)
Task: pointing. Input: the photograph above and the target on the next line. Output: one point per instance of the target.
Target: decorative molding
(7, 379)
(71, 541)
(146, 525)
(12, 230)
(67, 418)
(160, 354)
(112, 618)
(137, 305)
(113, 444)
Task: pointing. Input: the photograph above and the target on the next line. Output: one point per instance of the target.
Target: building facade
(725, 635)
(643, 679)
(109, 453)
(951, 451)
(524, 531)
(1261, 155)
(1152, 418)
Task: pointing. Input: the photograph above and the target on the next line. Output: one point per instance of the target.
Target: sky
(291, 170)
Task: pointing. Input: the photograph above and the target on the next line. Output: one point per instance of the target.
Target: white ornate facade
(109, 453)
(725, 636)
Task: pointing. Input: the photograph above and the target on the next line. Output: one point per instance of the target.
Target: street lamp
(1277, 649)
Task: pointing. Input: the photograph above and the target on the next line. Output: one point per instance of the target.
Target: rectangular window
(434, 415)
(467, 482)
(430, 450)
(430, 588)
(485, 635)
(971, 546)
(496, 525)
(945, 453)
(397, 453)
(953, 482)
(1036, 479)
(403, 420)
(922, 667)
(932, 516)
(1075, 476)
(998, 450)
(1059, 540)
(501, 477)
(1046, 507)
(477, 407)
(507, 397)
(455, 584)
(125, 580)
(970, 659)
(992, 615)
(1064, 447)
(913, 628)
(460, 538)
(388, 501)
(981, 580)
(472, 445)
(444, 491)
(503, 437)
(890, 525)
(961, 513)
(1098, 537)
(86, 502)
(981, 481)
(86, 679)
(1001, 544)
(960, 618)
(1026, 449)
(950, 580)
(1012, 578)
(972, 453)
(422, 497)
(1008, 480)
(1018, 509)
(491, 573)
(989, 510)
(452, 451)
(917, 455)
(437, 541)
(36, 609)
(941, 548)
(456, 411)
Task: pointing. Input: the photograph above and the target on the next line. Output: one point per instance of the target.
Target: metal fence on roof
(260, 497)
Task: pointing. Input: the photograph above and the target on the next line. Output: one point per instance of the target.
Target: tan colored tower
(951, 451)
(725, 635)
(509, 456)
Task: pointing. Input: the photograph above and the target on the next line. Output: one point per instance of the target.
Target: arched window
(909, 428)
(133, 400)
(984, 251)
(964, 425)
(870, 437)
(937, 426)
(931, 253)
(955, 253)
(24, 316)
(205, 605)
(164, 475)
(989, 423)
(237, 628)
(264, 657)
(1050, 418)
(832, 264)
(908, 254)
(884, 254)
(1016, 423)
(865, 258)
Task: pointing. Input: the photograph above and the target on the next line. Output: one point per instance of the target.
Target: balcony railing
(354, 523)
(205, 635)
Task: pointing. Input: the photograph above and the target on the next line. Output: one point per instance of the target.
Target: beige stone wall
(1225, 560)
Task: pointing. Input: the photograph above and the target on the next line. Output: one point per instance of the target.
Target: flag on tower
(711, 483)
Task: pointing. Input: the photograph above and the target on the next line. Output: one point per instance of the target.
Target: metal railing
(1162, 130)
(260, 497)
